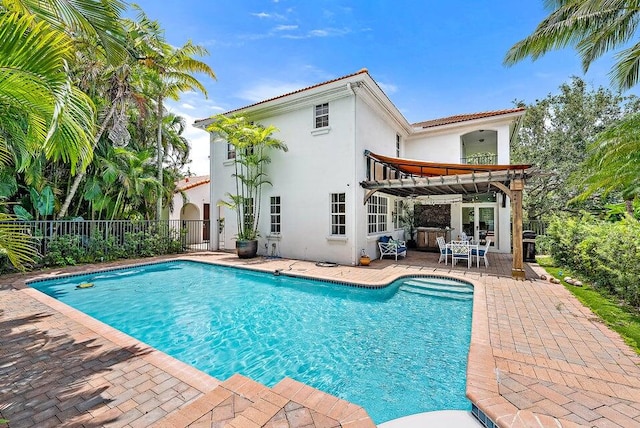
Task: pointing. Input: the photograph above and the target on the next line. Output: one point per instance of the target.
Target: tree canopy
(83, 128)
(557, 135)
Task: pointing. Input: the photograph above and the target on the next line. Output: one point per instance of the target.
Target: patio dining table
(455, 245)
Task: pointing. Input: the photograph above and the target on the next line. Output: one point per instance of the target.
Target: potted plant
(252, 143)
(408, 220)
(365, 260)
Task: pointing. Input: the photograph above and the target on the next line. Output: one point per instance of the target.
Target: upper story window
(397, 145)
(377, 210)
(231, 151)
(322, 115)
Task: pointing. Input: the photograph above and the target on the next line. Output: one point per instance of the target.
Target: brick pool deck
(537, 358)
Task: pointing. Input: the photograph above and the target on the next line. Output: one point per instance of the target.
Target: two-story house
(353, 157)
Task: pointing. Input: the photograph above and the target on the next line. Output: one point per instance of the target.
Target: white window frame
(397, 145)
(247, 211)
(397, 223)
(276, 215)
(378, 214)
(338, 214)
(231, 151)
(321, 116)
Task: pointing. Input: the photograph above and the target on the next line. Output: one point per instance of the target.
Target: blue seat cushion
(401, 249)
(384, 239)
(447, 251)
(477, 252)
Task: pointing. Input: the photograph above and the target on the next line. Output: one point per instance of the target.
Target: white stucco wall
(316, 165)
(377, 133)
(319, 163)
(197, 196)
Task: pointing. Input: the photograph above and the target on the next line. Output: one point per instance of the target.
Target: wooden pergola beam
(516, 187)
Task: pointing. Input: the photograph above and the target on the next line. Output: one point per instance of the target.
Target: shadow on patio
(49, 378)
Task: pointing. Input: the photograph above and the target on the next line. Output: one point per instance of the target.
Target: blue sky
(432, 58)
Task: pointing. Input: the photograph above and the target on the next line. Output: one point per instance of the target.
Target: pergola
(407, 177)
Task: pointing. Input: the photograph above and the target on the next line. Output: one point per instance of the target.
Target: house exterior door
(206, 224)
(479, 221)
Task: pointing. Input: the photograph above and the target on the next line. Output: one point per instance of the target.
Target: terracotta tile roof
(362, 71)
(465, 117)
(191, 182)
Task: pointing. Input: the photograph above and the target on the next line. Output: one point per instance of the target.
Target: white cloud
(319, 33)
(187, 106)
(388, 88)
(265, 15)
(285, 28)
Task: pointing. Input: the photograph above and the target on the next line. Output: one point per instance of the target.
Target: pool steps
(438, 288)
(241, 402)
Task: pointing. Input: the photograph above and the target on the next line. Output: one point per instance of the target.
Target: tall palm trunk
(80, 176)
(159, 159)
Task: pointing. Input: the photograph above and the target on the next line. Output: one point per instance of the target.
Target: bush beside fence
(69, 242)
(605, 254)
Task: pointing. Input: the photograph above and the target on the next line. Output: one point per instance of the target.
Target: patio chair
(444, 251)
(465, 237)
(482, 252)
(390, 247)
(460, 250)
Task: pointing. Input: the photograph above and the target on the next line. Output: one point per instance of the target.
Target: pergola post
(517, 270)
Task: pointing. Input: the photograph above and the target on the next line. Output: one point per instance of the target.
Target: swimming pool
(395, 351)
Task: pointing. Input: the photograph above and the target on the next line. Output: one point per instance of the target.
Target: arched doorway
(190, 217)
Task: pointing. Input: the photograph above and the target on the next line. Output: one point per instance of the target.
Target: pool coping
(483, 383)
(177, 368)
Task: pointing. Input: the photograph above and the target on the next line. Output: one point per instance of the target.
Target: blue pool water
(395, 351)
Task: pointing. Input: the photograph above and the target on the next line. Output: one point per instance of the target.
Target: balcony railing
(480, 159)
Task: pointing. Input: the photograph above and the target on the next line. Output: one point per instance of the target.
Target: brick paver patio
(537, 358)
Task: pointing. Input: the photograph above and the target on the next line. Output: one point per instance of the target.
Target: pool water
(395, 351)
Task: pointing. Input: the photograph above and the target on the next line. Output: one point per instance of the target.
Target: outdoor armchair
(390, 247)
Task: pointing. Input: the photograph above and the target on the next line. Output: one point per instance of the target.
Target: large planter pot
(247, 249)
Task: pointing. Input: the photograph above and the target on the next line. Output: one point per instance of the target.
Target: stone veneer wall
(438, 215)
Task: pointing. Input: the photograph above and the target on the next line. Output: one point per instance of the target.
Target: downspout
(355, 254)
(214, 214)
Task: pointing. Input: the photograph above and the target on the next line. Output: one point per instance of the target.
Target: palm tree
(42, 111)
(15, 242)
(593, 28)
(172, 73)
(613, 162)
(117, 95)
(95, 18)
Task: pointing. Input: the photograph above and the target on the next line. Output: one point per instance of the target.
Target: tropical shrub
(66, 250)
(252, 144)
(604, 253)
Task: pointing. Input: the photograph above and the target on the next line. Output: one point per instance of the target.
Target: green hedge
(75, 249)
(605, 254)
